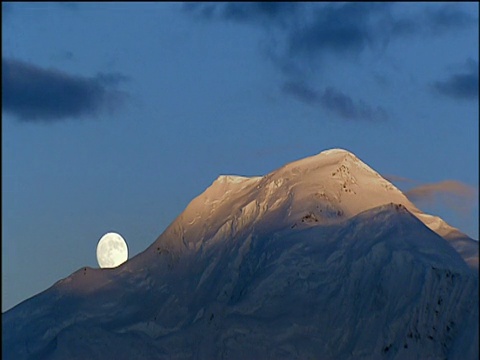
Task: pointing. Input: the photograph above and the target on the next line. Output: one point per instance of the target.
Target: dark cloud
(345, 28)
(332, 28)
(36, 94)
(350, 28)
(463, 86)
(300, 37)
(315, 29)
(431, 20)
(335, 101)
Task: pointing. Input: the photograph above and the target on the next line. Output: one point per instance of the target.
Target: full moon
(112, 250)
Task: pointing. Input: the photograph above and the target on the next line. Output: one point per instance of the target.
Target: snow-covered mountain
(322, 258)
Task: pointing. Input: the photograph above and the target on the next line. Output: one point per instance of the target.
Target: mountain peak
(322, 189)
(335, 151)
(330, 158)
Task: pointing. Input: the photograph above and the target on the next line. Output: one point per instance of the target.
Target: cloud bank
(32, 93)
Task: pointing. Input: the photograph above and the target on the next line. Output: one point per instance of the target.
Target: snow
(323, 189)
(321, 258)
(235, 179)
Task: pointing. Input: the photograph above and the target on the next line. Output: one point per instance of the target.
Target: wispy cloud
(462, 85)
(343, 29)
(254, 13)
(300, 37)
(33, 93)
(429, 191)
(353, 27)
(446, 18)
(311, 30)
(335, 102)
(455, 194)
(346, 108)
(301, 91)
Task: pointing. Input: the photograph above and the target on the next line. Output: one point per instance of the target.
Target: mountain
(322, 258)
(325, 189)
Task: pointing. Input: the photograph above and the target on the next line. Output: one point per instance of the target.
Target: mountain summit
(322, 258)
(324, 189)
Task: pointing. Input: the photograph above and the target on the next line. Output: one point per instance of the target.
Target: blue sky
(116, 115)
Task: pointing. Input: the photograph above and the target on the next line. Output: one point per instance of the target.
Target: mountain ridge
(361, 263)
(324, 188)
(287, 265)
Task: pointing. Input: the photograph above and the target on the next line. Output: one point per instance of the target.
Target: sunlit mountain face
(322, 258)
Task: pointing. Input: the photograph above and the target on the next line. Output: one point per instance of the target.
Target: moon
(112, 250)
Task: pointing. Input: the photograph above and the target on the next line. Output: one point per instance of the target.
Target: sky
(116, 115)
